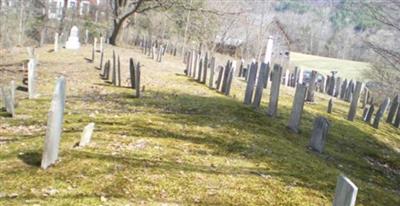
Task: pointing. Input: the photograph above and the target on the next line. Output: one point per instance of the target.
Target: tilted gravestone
(195, 65)
(354, 101)
(212, 71)
(106, 74)
(393, 109)
(369, 114)
(200, 71)
(32, 78)
(101, 59)
(119, 72)
(264, 69)
(297, 108)
(137, 80)
(114, 70)
(205, 68)
(311, 87)
(219, 78)
(132, 73)
(8, 99)
(54, 125)
(319, 134)
(86, 135)
(225, 76)
(343, 89)
(397, 119)
(330, 106)
(248, 96)
(345, 192)
(381, 112)
(337, 87)
(229, 81)
(274, 95)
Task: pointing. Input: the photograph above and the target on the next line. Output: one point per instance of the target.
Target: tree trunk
(115, 30)
(62, 20)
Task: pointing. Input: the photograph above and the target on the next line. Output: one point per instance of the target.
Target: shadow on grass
(32, 158)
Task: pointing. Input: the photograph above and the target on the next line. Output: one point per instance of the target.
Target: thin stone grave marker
(345, 192)
(274, 96)
(297, 108)
(86, 135)
(319, 134)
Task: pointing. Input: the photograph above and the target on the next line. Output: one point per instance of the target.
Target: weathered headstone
(343, 89)
(301, 76)
(54, 125)
(200, 71)
(397, 119)
(101, 59)
(337, 87)
(345, 192)
(8, 100)
(354, 101)
(226, 76)
(319, 134)
(330, 106)
(393, 109)
(381, 111)
(232, 68)
(311, 87)
(195, 65)
(56, 35)
(86, 135)
(264, 69)
(219, 78)
(119, 72)
(205, 68)
(73, 39)
(114, 70)
(250, 83)
(274, 95)
(369, 114)
(32, 78)
(137, 80)
(212, 71)
(297, 108)
(132, 72)
(101, 43)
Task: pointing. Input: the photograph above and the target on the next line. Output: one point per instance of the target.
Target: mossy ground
(182, 143)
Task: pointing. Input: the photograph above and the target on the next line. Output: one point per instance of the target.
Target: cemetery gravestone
(137, 80)
(330, 106)
(369, 114)
(297, 108)
(54, 125)
(56, 35)
(212, 68)
(311, 87)
(345, 192)
(380, 112)
(274, 96)
(319, 134)
(32, 78)
(73, 39)
(354, 101)
(260, 84)
(393, 109)
(86, 135)
(250, 84)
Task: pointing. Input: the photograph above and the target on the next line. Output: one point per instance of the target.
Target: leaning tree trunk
(117, 24)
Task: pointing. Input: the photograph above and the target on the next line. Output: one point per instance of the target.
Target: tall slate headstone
(274, 95)
(212, 71)
(397, 119)
(330, 106)
(393, 109)
(343, 89)
(114, 70)
(132, 73)
(32, 78)
(54, 125)
(248, 96)
(370, 112)
(297, 108)
(311, 87)
(137, 80)
(345, 192)
(119, 72)
(381, 111)
(354, 101)
(260, 84)
(205, 68)
(319, 134)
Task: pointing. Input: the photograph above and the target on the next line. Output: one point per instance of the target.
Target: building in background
(84, 6)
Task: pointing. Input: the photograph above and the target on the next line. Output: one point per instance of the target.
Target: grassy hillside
(345, 68)
(183, 143)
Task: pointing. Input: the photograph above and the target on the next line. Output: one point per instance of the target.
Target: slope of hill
(182, 144)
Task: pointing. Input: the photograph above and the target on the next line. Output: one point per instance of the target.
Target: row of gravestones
(155, 48)
(55, 114)
(197, 66)
(257, 79)
(112, 73)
